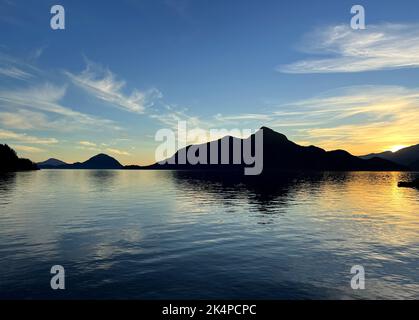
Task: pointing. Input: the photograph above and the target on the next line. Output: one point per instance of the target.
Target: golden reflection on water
(363, 208)
(319, 224)
(376, 204)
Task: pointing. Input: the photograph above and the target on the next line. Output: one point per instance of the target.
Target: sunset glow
(397, 148)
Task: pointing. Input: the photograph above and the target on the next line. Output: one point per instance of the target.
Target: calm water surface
(176, 235)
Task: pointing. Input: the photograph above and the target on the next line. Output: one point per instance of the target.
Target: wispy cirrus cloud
(13, 68)
(14, 72)
(37, 53)
(361, 119)
(102, 147)
(171, 116)
(23, 137)
(104, 85)
(43, 102)
(27, 149)
(87, 144)
(117, 152)
(24, 120)
(379, 47)
(243, 117)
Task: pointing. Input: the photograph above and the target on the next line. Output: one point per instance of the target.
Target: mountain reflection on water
(180, 234)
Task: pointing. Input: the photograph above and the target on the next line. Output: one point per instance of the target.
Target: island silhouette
(51, 163)
(279, 154)
(100, 161)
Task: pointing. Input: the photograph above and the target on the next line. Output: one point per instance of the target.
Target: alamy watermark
(58, 280)
(57, 21)
(358, 20)
(358, 280)
(206, 149)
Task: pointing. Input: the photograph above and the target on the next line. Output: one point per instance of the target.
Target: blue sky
(121, 70)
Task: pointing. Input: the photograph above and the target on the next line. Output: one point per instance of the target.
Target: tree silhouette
(9, 161)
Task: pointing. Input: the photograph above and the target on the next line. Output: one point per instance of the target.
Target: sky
(122, 70)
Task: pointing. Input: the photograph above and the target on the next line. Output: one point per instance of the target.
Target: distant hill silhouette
(408, 156)
(100, 161)
(281, 154)
(51, 164)
(9, 161)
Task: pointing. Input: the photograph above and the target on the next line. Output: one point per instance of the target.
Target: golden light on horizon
(397, 148)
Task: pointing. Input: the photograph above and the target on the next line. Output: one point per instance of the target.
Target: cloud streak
(27, 149)
(87, 144)
(379, 47)
(13, 68)
(362, 119)
(13, 72)
(22, 137)
(104, 85)
(118, 152)
(42, 103)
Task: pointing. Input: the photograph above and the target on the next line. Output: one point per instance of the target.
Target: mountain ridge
(279, 154)
(51, 163)
(282, 154)
(99, 161)
(408, 156)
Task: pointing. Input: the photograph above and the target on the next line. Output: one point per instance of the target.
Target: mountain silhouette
(100, 161)
(281, 154)
(51, 163)
(408, 156)
(9, 161)
(415, 166)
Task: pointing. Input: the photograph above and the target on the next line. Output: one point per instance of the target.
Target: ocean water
(184, 235)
